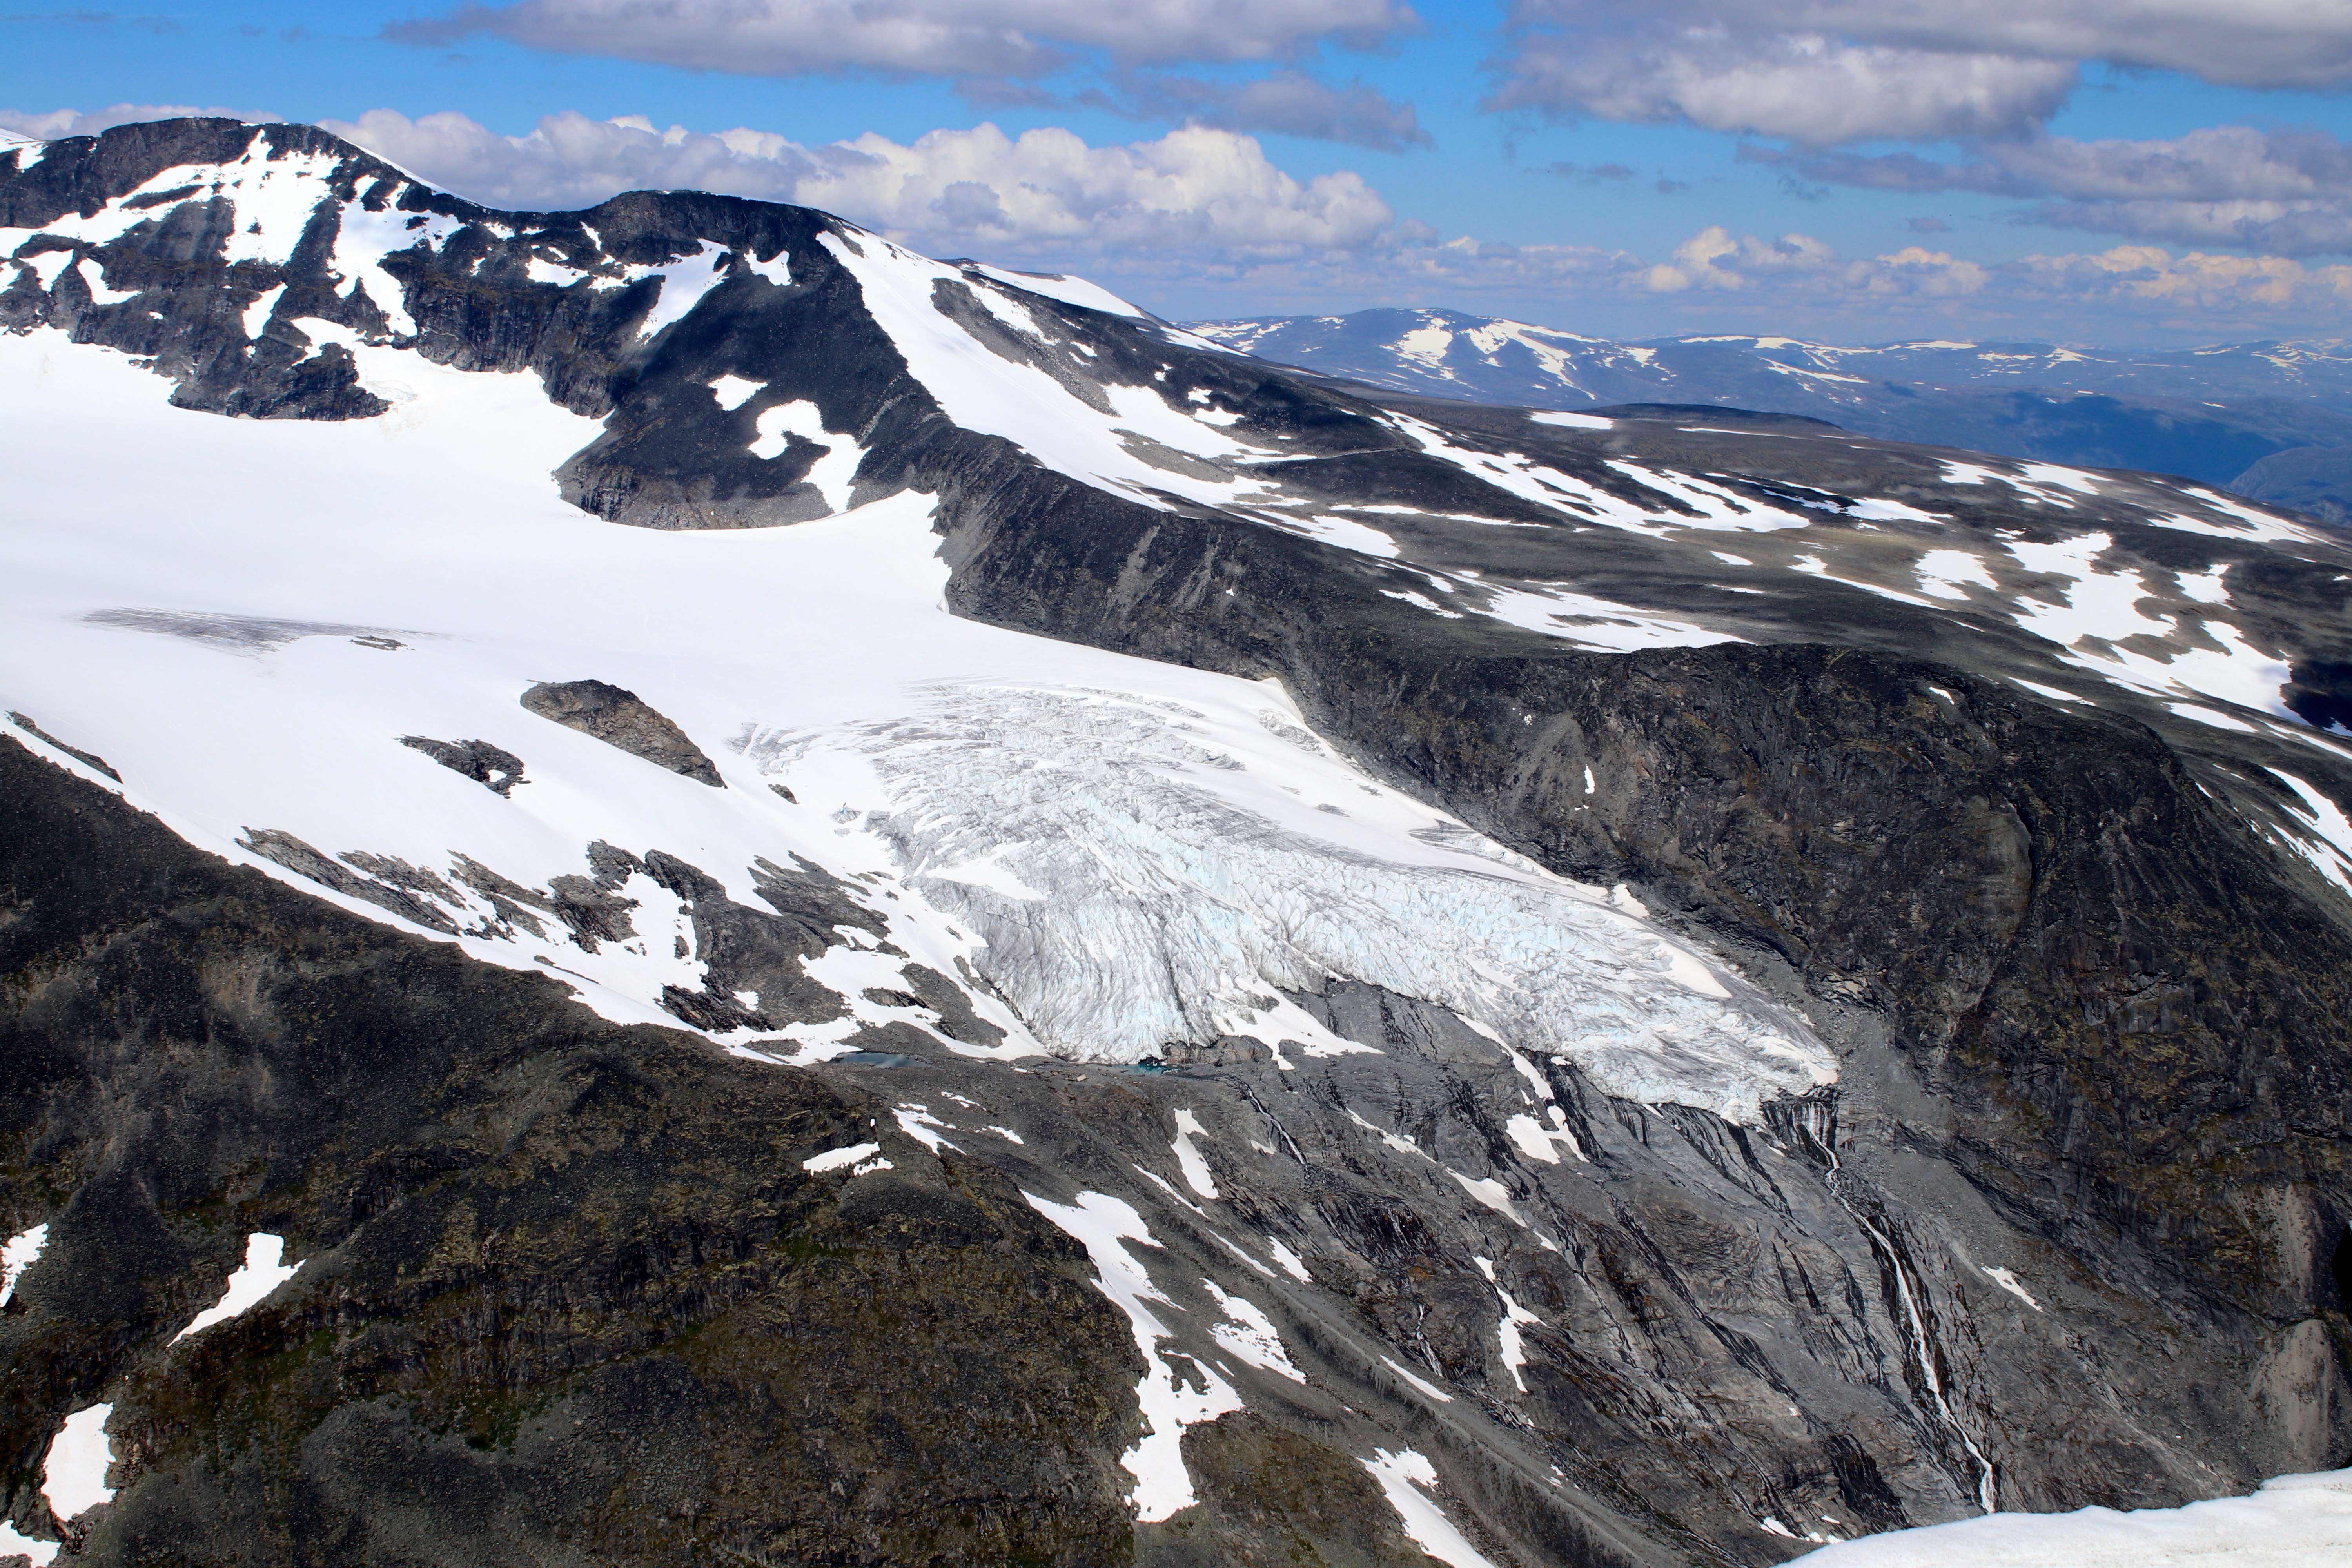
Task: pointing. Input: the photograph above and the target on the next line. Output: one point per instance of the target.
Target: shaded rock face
(2315, 480)
(568, 1292)
(622, 719)
(494, 768)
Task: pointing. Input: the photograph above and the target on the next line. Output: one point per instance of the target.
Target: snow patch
(1290, 1262)
(13, 1545)
(1189, 1159)
(835, 1159)
(24, 1250)
(1402, 1475)
(732, 391)
(2008, 1282)
(73, 1477)
(1171, 1401)
(262, 1272)
(1249, 1335)
(832, 473)
(1426, 1389)
(917, 1123)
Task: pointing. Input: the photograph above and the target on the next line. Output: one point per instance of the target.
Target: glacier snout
(1145, 872)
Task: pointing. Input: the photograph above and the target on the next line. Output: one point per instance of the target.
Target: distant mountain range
(2272, 421)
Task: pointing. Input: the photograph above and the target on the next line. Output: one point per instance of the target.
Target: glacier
(1133, 854)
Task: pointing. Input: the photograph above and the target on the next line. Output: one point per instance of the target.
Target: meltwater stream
(1814, 1119)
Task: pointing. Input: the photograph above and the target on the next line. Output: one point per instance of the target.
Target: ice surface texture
(1133, 901)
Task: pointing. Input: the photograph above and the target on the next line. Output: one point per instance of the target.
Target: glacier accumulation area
(1133, 854)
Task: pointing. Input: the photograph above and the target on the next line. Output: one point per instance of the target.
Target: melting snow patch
(1189, 1159)
(1589, 621)
(2008, 1282)
(684, 282)
(832, 474)
(258, 313)
(2327, 820)
(917, 1121)
(1245, 1256)
(73, 1477)
(1170, 1401)
(1292, 1264)
(1428, 1390)
(733, 391)
(835, 1159)
(1250, 1336)
(41, 1552)
(1491, 1193)
(261, 1273)
(1573, 421)
(1539, 1143)
(24, 1250)
(2293, 1522)
(1402, 1475)
(2206, 716)
(1943, 572)
(1507, 1331)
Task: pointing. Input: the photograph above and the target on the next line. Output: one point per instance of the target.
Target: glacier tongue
(1144, 871)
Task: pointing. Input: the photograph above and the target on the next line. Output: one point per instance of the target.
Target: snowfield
(2293, 1522)
(244, 623)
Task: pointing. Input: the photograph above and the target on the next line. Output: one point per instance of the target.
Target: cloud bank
(2284, 192)
(1197, 193)
(927, 38)
(1201, 222)
(1824, 72)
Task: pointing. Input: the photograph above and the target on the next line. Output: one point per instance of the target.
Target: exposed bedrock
(493, 767)
(623, 719)
(2065, 989)
(567, 1292)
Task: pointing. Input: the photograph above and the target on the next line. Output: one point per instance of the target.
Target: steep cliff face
(1605, 990)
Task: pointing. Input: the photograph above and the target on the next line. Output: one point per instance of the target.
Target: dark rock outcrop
(622, 719)
(493, 767)
(567, 1293)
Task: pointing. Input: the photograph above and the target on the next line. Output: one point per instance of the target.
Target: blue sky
(2113, 171)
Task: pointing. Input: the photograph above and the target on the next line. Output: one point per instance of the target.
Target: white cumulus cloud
(56, 122)
(1206, 194)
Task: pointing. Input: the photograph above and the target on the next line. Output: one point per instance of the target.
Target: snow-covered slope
(2293, 1522)
(1131, 855)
